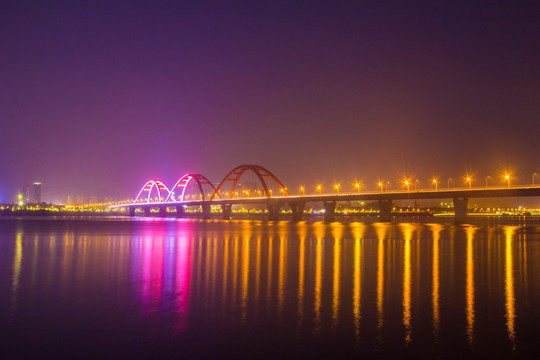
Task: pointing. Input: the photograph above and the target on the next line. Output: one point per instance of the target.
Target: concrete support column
(385, 210)
(329, 211)
(163, 211)
(205, 211)
(131, 210)
(180, 211)
(297, 209)
(146, 211)
(460, 210)
(273, 210)
(227, 211)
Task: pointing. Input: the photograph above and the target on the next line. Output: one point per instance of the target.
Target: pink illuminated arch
(182, 184)
(261, 173)
(162, 191)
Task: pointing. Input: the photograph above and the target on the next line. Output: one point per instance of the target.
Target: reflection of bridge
(209, 195)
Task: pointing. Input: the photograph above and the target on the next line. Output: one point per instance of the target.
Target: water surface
(104, 288)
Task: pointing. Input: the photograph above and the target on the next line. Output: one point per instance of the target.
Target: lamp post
(487, 177)
(357, 186)
(469, 180)
(436, 184)
(533, 175)
(386, 187)
(336, 186)
(381, 185)
(416, 185)
(319, 189)
(407, 184)
(302, 190)
(507, 178)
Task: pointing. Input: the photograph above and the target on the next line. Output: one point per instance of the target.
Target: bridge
(175, 197)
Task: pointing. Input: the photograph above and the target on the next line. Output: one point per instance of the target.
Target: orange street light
(507, 178)
(380, 184)
(357, 186)
(336, 186)
(487, 177)
(406, 182)
(302, 190)
(434, 181)
(469, 180)
(319, 189)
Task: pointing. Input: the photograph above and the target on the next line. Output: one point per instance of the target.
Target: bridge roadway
(297, 203)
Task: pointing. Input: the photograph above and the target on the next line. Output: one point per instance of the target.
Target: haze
(97, 97)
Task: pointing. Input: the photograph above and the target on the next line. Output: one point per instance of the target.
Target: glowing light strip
(149, 186)
(178, 184)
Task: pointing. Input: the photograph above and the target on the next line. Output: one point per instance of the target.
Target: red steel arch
(237, 173)
(184, 181)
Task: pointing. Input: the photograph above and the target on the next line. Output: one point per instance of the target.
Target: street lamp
(302, 190)
(386, 187)
(336, 186)
(357, 186)
(487, 177)
(415, 184)
(407, 184)
(319, 189)
(436, 184)
(381, 185)
(533, 175)
(469, 180)
(507, 178)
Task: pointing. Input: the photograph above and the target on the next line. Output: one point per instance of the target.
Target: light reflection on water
(381, 289)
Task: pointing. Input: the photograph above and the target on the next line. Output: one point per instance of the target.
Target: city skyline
(97, 98)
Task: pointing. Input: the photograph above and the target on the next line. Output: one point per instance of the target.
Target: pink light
(181, 183)
(149, 186)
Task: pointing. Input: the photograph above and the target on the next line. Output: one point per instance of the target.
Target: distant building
(25, 192)
(36, 193)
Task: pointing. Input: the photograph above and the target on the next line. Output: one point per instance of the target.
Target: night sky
(99, 96)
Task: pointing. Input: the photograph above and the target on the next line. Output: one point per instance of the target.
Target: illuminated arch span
(237, 173)
(149, 186)
(182, 184)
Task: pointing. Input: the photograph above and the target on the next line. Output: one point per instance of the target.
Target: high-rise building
(36, 193)
(25, 192)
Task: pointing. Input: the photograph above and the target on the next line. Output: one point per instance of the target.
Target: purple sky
(99, 96)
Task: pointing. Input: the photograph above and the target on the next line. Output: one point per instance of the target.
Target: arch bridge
(155, 195)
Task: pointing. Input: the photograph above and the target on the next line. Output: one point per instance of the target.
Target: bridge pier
(146, 210)
(460, 210)
(226, 211)
(205, 211)
(180, 211)
(297, 209)
(385, 210)
(273, 210)
(162, 211)
(131, 210)
(329, 211)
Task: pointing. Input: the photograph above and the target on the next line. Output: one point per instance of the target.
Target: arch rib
(149, 186)
(235, 175)
(183, 183)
